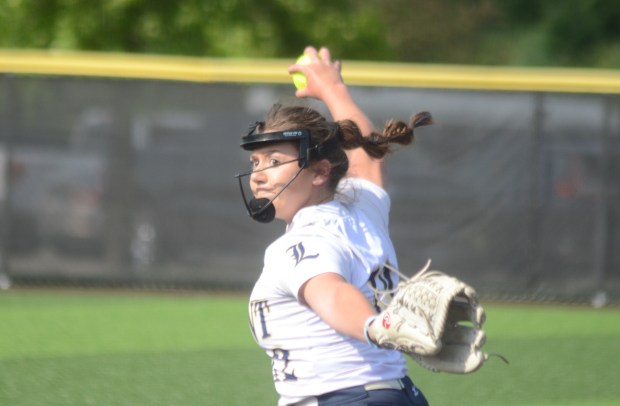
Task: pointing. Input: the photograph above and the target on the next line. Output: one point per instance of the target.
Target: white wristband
(366, 325)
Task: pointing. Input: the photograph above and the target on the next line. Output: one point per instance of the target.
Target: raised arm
(325, 83)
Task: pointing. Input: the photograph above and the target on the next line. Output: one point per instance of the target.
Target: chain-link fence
(131, 183)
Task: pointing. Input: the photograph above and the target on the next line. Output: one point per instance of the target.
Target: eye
(274, 162)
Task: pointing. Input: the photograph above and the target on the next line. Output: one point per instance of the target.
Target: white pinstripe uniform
(348, 236)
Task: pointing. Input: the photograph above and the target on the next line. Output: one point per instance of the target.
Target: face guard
(263, 210)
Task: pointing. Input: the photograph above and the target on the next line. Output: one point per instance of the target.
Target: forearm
(348, 311)
(341, 305)
(341, 105)
(325, 83)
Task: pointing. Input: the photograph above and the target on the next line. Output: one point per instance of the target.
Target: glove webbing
(380, 294)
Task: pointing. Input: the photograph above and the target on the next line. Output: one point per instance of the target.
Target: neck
(326, 199)
(315, 201)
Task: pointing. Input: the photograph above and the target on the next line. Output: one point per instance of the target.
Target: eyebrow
(268, 152)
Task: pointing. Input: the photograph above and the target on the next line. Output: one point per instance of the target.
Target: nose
(258, 176)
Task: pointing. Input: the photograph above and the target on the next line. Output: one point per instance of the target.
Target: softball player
(318, 291)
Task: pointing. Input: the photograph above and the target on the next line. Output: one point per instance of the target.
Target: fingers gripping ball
(299, 79)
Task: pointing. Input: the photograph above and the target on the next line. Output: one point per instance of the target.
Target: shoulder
(367, 196)
(364, 186)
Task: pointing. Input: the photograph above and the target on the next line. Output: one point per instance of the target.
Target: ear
(321, 171)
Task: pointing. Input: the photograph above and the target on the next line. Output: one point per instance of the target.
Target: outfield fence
(119, 170)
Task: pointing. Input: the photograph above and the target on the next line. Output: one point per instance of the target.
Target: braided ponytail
(378, 145)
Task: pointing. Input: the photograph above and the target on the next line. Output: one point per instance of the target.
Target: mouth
(263, 194)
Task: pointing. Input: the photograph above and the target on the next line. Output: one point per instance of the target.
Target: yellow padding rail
(193, 69)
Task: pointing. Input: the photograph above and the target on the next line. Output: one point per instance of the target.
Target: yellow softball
(299, 79)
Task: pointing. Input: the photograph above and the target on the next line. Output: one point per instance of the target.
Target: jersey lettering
(298, 252)
(257, 317)
(382, 283)
(281, 368)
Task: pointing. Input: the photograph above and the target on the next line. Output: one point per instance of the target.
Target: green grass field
(110, 348)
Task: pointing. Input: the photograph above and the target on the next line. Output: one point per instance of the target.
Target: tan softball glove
(437, 320)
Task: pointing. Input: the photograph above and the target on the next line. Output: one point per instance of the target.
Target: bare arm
(341, 305)
(325, 83)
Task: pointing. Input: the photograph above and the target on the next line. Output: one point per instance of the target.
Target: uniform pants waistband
(396, 384)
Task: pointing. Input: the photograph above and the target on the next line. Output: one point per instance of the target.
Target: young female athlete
(317, 294)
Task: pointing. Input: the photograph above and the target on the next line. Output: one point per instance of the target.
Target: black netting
(132, 182)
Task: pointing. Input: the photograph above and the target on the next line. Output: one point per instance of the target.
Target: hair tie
(374, 139)
(423, 118)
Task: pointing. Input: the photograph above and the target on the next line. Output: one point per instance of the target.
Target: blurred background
(118, 179)
(490, 32)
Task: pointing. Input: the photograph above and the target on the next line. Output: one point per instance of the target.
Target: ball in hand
(299, 79)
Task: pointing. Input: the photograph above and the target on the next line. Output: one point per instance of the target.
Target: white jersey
(348, 236)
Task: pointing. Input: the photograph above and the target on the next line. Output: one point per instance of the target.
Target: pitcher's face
(273, 167)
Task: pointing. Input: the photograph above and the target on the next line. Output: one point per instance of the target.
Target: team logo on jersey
(382, 283)
(298, 253)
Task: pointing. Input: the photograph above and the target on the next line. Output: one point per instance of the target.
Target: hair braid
(378, 145)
